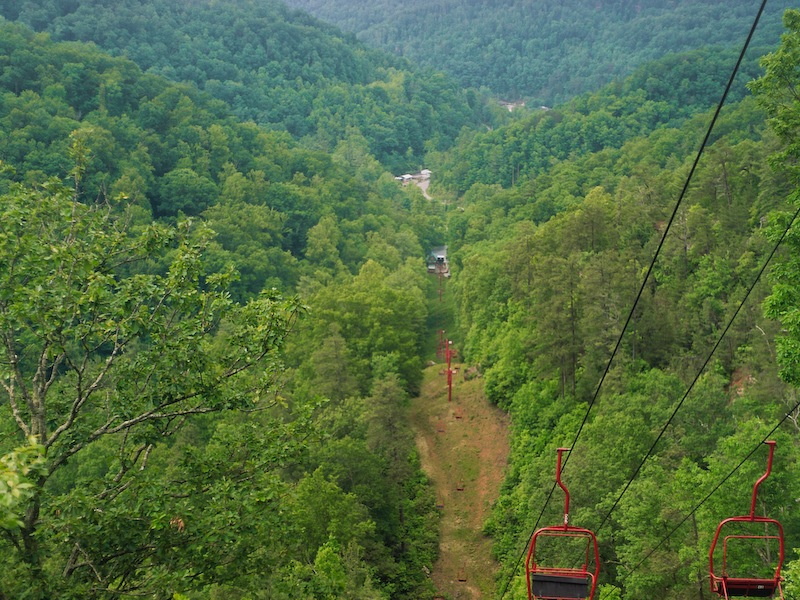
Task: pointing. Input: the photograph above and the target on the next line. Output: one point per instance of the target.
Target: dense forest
(544, 51)
(274, 66)
(214, 306)
(547, 263)
(193, 429)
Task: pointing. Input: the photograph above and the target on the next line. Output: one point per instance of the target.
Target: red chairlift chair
(728, 586)
(561, 583)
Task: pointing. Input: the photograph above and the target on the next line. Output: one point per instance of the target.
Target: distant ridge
(275, 66)
(545, 51)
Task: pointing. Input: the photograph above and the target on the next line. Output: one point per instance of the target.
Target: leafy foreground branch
(113, 342)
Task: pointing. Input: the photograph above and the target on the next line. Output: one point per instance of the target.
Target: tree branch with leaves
(113, 329)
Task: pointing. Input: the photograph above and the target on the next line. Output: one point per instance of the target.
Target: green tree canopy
(101, 348)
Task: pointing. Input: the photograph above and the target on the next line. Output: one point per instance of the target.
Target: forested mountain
(547, 263)
(274, 66)
(545, 51)
(213, 307)
(663, 94)
(175, 419)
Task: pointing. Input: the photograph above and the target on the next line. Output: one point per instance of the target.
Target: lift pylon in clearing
(731, 581)
(548, 581)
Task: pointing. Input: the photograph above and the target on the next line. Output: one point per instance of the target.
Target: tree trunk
(30, 545)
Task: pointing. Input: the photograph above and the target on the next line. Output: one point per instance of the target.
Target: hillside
(202, 431)
(545, 51)
(215, 326)
(663, 94)
(274, 66)
(546, 266)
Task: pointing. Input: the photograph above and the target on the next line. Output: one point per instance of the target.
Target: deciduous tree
(102, 348)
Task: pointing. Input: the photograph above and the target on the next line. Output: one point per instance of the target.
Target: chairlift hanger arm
(560, 452)
(771, 444)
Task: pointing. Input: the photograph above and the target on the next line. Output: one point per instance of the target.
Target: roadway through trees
(463, 446)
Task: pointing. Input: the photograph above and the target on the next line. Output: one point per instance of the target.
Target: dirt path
(423, 185)
(463, 446)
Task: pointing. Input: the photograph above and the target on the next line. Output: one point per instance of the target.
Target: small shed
(437, 261)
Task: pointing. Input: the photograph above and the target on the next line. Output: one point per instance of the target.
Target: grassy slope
(460, 442)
